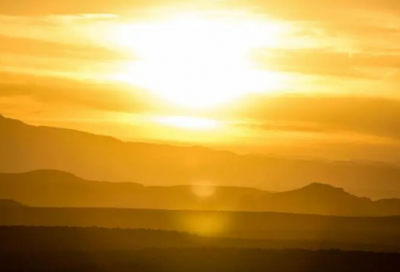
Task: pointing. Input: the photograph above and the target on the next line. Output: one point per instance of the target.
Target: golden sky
(304, 77)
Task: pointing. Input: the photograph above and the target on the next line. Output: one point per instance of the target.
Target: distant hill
(9, 203)
(52, 188)
(319, 198)
(26, 148)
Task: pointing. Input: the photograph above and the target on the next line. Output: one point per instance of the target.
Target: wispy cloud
(363, 115)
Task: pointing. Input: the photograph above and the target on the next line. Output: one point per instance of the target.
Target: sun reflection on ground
(207, 223)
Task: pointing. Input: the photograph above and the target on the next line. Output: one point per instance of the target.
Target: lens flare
(203, 191)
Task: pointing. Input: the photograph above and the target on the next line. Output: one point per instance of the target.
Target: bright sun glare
(197, 62)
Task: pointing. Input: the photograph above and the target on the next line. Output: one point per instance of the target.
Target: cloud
(64, 46)
(44, 7)
(69, 28)
(363, 115)
(317, 10)
(333, 41)
(284, 126)
(330, 39)
(54, 91)
(293, 8)
(38, 48)
(325, 114)
(328, 62)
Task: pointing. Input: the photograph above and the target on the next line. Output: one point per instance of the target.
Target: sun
(195, 61)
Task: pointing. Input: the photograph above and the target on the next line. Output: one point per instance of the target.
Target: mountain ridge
(53, 188)
(97, 157)
(10, 203)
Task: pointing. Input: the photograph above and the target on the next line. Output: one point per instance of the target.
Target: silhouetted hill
(9, 203)
(25, 148)
(59, 189)
(319, 198)
(51, 188)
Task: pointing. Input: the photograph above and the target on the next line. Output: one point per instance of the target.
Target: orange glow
(188, 122)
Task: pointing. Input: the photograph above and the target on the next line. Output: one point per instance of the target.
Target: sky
(298, 78)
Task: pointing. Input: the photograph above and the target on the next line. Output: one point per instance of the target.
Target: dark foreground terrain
(41, 249)
(200, 260)
(321, 244)
(354, 233)
(35, 239)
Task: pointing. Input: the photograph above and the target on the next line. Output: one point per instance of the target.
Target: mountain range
(51, 188)
(25, 148)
